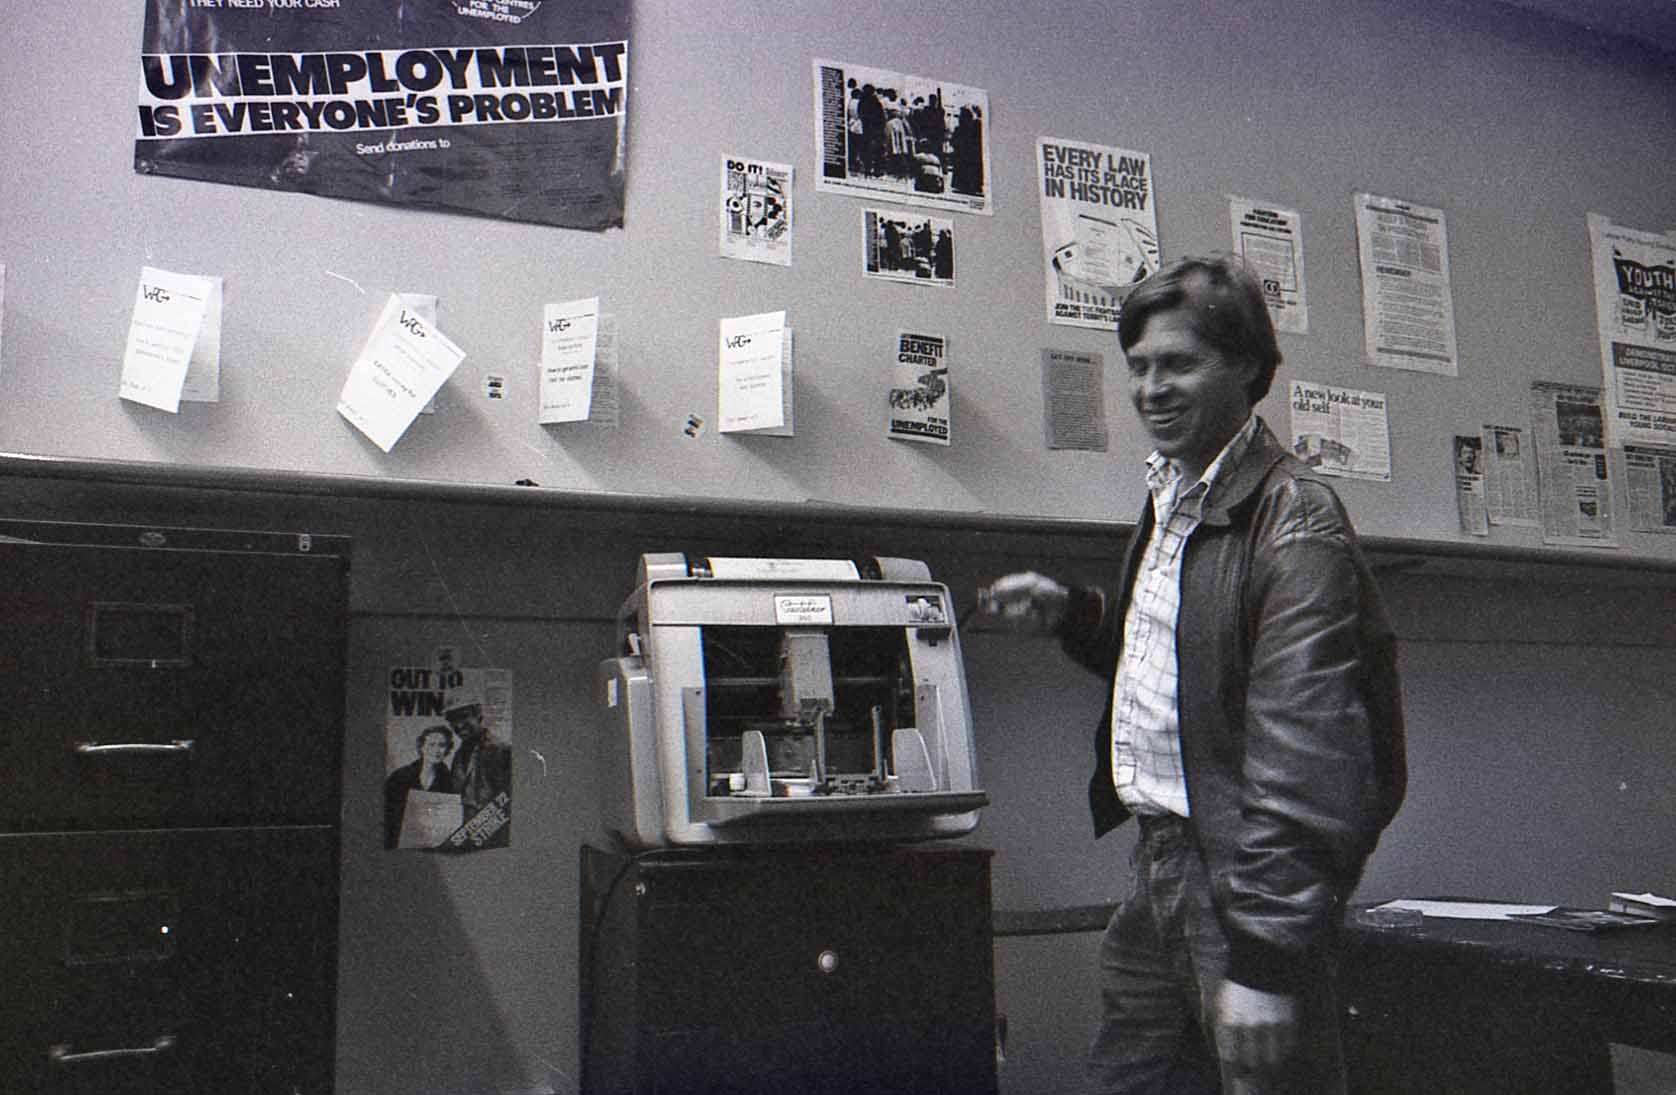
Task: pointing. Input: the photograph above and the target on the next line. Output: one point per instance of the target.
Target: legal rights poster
(1099, 228)
(1271, 241)
(1635, 312)
(890, 136)
(514, 109)
(448, 757)
(1408, 307)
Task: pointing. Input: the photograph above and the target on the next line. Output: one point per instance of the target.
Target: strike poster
(1635, 310)
(894, 137)
(514, 109)
(1099, 229)
(448, 757)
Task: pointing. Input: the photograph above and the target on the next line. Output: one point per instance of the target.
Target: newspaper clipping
(1271, 242)
(1650, 476)
(1469, 485)
(448, 757)
(1572, 469)
(756, 210)
(910, 247)
(1099, 228)
(501, 108)
(1407, 307)
(1340, 431)
(1074, 400)
(1509, 477)
(1635, 309)
(912, 139)
(919, 396)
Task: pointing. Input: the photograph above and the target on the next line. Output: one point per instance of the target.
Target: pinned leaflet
(404, 363)
(162, 336)
(754, 374)
(569, 335)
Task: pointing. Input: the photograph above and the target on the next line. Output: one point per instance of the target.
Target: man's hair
(1223, 300)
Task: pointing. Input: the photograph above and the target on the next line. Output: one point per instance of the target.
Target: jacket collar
(1238, 483)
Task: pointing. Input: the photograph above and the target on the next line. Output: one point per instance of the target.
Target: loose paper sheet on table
(168, 319)
(753, 378)
(404, 363)
(569, 336)
(1467, 910)
(1271, 241)
(1407, 309)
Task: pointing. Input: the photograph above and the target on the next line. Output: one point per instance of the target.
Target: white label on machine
(802, 608)
(826, 570)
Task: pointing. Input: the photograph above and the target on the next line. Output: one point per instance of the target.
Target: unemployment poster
(1340, 431)
(448, 758)
(1635, 310)
(1074, 399)
(894, 137)
(909, 247)
(1571, 464)
(756, 210)
(502, 108)
(1271, 241)
(1510, 494)
(1408, 311)
(1099, 228)
(919, 396)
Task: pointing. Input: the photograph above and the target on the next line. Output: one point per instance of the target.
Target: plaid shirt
(1146, 746)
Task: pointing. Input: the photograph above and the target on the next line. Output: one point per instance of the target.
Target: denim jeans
(1161, 961)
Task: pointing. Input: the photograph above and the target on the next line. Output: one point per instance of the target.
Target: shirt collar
(1163, 474)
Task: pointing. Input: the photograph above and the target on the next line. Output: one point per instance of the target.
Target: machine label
(802, 608)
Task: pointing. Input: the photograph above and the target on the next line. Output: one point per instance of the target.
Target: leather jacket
(1290, 713)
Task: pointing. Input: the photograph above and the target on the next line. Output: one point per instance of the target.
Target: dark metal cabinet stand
(171, 710)
(787, 970)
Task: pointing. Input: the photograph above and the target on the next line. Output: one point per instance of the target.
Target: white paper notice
(168, 316)
(569, 333)
(1340, 431)
(604, 408)
(424, 306)
(405, 361)
(203, 373)
(750, 373)
(1407, 307)
(1074, 399)
(1271, 242)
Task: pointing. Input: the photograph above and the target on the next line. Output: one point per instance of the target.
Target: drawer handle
(66, 1055)
(178, 747)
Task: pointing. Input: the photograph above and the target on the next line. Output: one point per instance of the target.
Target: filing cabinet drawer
(169, 962)
(162, 686)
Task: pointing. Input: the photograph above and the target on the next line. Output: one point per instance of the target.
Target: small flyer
(756, 210)
(1469, 484)
(907, 247)
(163, 335)
(753, 381)
(448, 758)
(1271, 241)
(919, 396)
(405, 362)
(569, 335)
(1340, 431)
(1074, 400)
(1099, 228)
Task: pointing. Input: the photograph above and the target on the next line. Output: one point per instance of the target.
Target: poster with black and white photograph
(1469, 484)
(1099, 228)
(756, 210)
(919, 394)
(916, 248)
(1574, 475)
(1271, 241)
(514, 110)
(1074, 400)
(448, 757)
(911, 139)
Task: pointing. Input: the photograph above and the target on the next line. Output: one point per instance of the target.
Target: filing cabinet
(726, 972)
(171, 706)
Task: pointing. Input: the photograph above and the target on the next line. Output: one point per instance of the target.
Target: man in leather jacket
(1254, 723)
